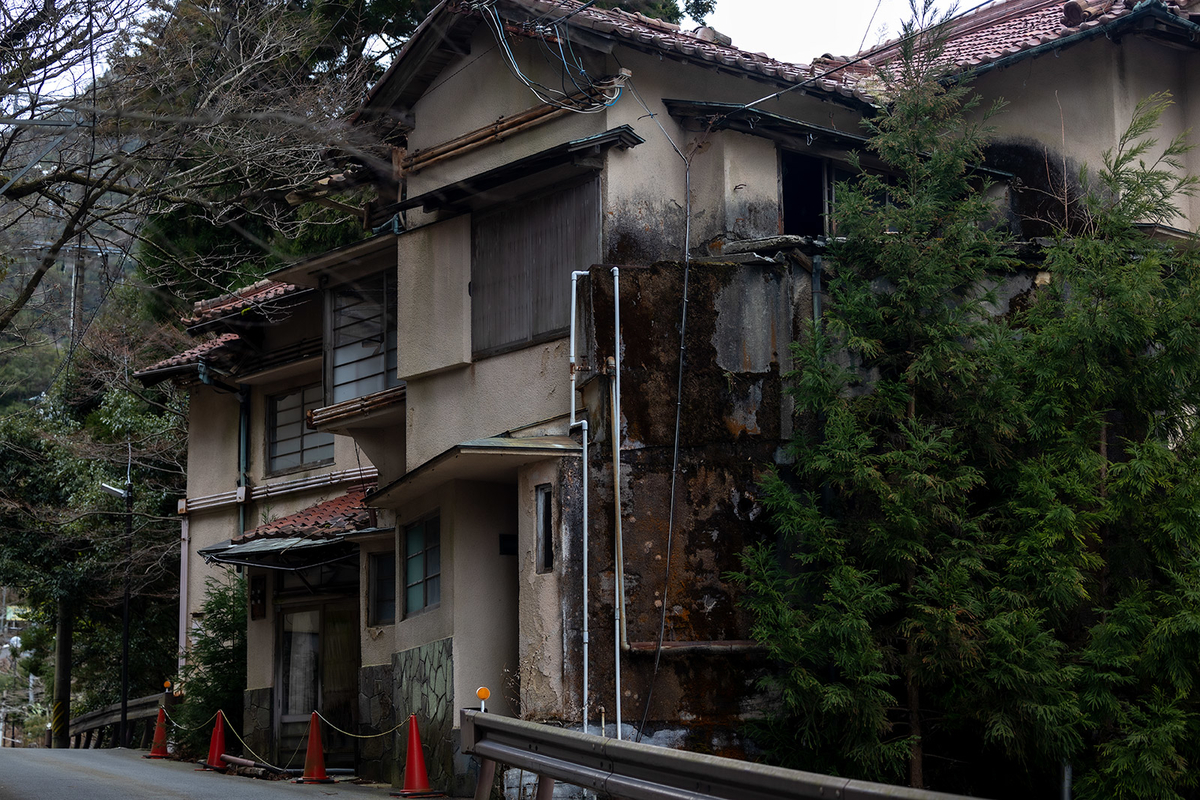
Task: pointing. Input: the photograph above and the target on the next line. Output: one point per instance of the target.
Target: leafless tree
(119, 111)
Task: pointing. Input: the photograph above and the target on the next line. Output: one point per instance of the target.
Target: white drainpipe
(584, 426)
(185, 545)
(620, 634)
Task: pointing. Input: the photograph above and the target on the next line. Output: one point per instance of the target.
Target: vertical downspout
(584, 429)
(620, 634)
(243, 452)
(184, 546)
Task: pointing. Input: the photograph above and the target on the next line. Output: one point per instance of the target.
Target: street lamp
(127, 495)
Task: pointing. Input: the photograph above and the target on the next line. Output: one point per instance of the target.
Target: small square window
(381, 601)
(545, 528)
(422, 565)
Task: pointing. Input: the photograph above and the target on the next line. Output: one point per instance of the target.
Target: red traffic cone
(216, 746)
(314, 758)
(159, 749)
(415, 780)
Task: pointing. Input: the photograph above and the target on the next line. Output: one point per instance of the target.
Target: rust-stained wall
(740, 319)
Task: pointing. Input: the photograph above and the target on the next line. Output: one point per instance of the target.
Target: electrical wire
(609, 91)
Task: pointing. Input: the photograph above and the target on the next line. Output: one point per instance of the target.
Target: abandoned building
(454, 455)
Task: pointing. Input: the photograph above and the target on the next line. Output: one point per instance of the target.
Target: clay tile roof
(187, 357)
(1009, 27)
(704, 44)
(251, 296)
(328, 520)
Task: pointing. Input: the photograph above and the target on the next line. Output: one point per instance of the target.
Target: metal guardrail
(93, 729)
(631, 771)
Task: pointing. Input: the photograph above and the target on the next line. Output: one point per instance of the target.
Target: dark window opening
(381, 603)
(803, 194)
(809, 191)
(545, 528)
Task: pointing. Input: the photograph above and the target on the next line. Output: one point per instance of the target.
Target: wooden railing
(99, 728)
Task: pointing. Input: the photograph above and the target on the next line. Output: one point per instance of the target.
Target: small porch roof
(312, 537)
(493, 459)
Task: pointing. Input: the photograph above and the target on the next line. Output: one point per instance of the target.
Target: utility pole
(61, 717)
(125, 614)
(77, 284)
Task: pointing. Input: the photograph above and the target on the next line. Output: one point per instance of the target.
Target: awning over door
(313, 537)
(492, 459)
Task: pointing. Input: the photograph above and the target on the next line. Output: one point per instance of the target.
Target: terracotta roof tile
(699, 45)
(254, 295)
(193, 355)
(327, 520)
(1010, 27)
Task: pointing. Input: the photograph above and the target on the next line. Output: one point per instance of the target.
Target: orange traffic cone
(416, 781)
(159, 750)
(216, 746)
(314, 758)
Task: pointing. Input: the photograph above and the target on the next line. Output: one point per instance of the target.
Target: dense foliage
(215, 673)
(987, 559)
(63, 540)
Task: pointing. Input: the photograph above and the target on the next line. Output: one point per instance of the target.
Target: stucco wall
(212, 442)
(541, 613)
(476, 90)
(1076, 103)
(434, 308)
(489, 397)
(377, 642)
(485, 607)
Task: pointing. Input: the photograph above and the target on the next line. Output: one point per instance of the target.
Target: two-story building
(473, 449)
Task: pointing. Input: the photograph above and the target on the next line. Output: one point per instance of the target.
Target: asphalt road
(124, 775)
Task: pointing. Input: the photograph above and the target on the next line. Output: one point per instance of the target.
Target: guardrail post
(487, 774)
(545, 788)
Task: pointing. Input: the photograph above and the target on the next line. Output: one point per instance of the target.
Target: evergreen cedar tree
(216, 670)
(987, 557)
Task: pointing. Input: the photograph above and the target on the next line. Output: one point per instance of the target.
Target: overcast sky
(800, 30)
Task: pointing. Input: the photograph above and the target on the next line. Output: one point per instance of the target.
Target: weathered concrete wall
(485, 604)
(424, 681)
(644, 195)
(376, 642)
(257, 716)
(1066, 108)
(489, 397)
(740, 320)
(541, 635)
(434, 308)
(260, 640)
(212, 441)
(376, 714)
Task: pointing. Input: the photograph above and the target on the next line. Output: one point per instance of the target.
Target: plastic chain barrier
(361, 735)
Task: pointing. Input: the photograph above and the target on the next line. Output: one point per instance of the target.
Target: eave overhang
(345, 263)
(290, 554)
(795, 133)
(494, 459)
(554, 164)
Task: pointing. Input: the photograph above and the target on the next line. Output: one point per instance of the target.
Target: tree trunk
(61, 718)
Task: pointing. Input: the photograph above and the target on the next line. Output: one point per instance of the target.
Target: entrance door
(318, 671)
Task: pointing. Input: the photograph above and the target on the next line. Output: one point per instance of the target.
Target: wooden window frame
(425, 580)
(388, 349)
(310, 440)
